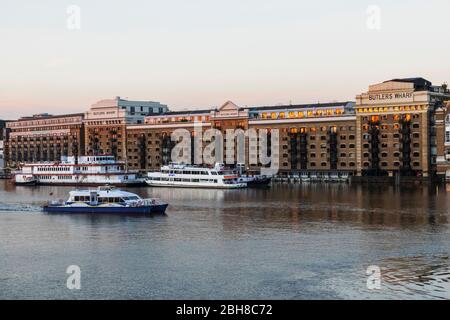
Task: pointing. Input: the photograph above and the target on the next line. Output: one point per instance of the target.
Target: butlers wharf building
(399, 127)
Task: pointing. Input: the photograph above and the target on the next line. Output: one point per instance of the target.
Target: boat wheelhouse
(106, 199)
(188, 176)
(86, 170)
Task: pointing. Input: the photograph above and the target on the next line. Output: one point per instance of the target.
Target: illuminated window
(282, 114)
(301, 114)
(310, 113)
(264, 115)
(291, 114)
(273, 115)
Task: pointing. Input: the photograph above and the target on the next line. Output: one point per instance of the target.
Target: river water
(308, 241)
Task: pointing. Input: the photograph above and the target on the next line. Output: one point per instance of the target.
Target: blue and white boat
(106, 199)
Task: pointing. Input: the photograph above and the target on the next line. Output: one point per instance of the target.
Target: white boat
(188, 176)
(106, 200)
(86, 170)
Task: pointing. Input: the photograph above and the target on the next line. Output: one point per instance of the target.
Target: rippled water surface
(285, 242)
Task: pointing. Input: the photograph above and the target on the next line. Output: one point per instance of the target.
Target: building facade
(319, 137)
(107, 120)
(399, 127)
(443, 141)
(2, 144)
(44, 138)
(396, 128)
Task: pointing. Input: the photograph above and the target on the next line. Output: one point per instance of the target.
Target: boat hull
(198, 186)
(27, 183)
(259, 182)
(90, 184)
(160, 208)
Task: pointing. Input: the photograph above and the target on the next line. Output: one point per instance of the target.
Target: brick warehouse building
(44, 137)
(398, 127)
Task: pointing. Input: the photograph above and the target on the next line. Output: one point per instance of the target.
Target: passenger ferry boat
(188, 176)
(86, 170)
(106, 199)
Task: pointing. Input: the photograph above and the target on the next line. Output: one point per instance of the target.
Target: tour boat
(188, 176)
(106, 199)
(86, 170)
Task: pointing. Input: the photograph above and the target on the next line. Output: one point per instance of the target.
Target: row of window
(396, 108)
(395, 154)
(395, 126)
(395, 164)
(366, 136)
(326, 164)
(54, 169)
(302, 114)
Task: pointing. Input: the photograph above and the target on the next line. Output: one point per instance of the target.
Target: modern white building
(132, 111)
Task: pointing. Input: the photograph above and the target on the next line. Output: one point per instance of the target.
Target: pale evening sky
(200, 53)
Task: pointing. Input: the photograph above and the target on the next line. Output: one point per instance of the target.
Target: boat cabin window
(109, 200)
(131, 198)
(81, 198)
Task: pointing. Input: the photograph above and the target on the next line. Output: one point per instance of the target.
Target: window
(447, 136)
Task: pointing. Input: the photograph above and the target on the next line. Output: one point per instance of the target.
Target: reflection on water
(418, 276)
(285, 242)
